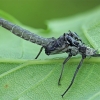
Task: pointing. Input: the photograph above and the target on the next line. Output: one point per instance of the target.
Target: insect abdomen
(23, 33)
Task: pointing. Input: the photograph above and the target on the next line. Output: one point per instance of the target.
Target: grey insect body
(23, 33)
(67, 43)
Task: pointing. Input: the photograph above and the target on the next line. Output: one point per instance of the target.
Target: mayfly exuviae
(67, 43)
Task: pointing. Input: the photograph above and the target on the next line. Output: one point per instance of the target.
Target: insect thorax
(55, 47)
(69, 43)
(65, 43)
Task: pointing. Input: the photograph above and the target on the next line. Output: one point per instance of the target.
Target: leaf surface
(23, 78)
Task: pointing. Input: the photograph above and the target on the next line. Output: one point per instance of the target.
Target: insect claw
(59, 83)
(62, 95)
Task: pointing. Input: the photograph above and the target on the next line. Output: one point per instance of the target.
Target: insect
(67, 43)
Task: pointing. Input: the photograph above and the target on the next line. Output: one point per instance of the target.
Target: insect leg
(69, 56)
(74, 76)
(39, 53)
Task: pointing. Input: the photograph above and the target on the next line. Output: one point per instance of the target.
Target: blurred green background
(34, 13)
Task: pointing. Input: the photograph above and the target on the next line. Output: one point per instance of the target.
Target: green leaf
(23, 78)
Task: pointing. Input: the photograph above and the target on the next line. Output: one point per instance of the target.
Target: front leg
(39, 53)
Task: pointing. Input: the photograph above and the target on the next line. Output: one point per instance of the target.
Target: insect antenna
(65, 61)
(76, 71)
